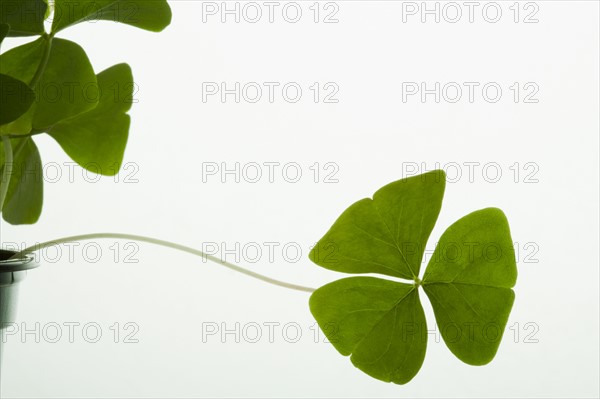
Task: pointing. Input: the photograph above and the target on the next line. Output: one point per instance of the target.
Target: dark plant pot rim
(26, 262)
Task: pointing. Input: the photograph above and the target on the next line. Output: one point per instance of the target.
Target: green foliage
(16, 98)
(25, 17)
(468, 280)
(379, 322)
(383, 235)
(62, 90)
(26, 190)
(96, 139)
(4, 29)
(477, 283)
(49, 86)
(152, 15)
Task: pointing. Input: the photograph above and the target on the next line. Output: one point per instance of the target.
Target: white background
(373, 136)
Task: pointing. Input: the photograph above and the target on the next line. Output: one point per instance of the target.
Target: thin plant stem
(166, 244)
(43, 62)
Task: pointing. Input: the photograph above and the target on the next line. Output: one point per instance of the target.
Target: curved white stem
(167, 244)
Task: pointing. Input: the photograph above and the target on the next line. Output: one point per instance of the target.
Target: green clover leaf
(96, 139)
(16, 98)
(380, 323)
(49, 86)
(4, 29)
(469, 281)
(25, 17)
(63, 88)
(25, 194)
(386, 234)
(152, 15)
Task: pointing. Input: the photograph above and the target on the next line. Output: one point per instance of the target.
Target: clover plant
(377, 321)
(380, 322)
(49, 86)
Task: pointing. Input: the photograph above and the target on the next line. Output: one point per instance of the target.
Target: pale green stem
(167, 244)
(7, 171)
(43, 62)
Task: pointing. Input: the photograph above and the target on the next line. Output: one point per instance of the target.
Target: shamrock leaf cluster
(49, 86)
(379, 322)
